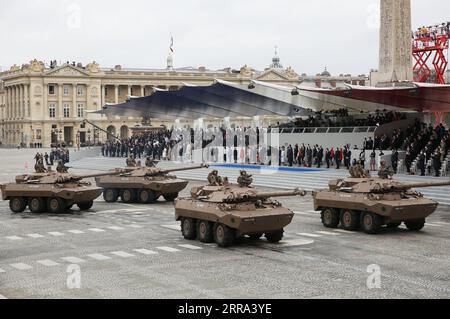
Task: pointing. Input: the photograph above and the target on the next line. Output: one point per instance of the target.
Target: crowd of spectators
(148, 144)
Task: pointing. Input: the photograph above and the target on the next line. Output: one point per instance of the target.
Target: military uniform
(385, 172)
(214, 179)
(131, 162)
(61, 168)
(245, 180)
(149, 162)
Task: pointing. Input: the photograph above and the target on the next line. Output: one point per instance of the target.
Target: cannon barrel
(405, 186)
(170, 170)
(109, 173)
(295, 192)
(265, 195)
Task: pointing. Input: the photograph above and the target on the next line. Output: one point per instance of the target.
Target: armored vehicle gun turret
(370, 203)
(224, 213)
(52, 191)
(143, 184)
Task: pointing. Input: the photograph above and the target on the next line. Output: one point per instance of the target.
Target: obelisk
(395, 65)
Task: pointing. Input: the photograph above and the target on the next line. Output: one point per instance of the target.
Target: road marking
(2, 270)
(74, 260)
(176, 227)
(99, 257)
(96, 230)
(343, 231)
(146, 251)
(55, 233)
(35, 236)
(441, 223)
(135, 226)
(21, 266)
(312, 212)
(433, 225)
(301, 213)
(115, 228)
(2, 297)
(14, 238)
(48, 263)
(168, 249)
(309, 235)
(75, 231)
(122, 254)
(327, 233)
(296, 242)
(192, 247)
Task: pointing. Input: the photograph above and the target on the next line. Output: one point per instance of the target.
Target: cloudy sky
(342, 35)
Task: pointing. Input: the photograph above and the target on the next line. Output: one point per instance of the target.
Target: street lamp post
(78, 139)
(89, 138)
(60, 137)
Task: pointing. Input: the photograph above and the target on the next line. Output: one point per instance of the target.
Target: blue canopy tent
(219, 100)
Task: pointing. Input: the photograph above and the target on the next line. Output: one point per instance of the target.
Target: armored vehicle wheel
(36, 205)
(205, 231)
(110, 195)
(147, 196)
(17, 204)
(393, 225)
(56, 205)
(170, 197)
(330, 217)
(127, 195)
(371, 223)
(86, 205)
(415, 225)
(350, 220)
(223, 235)
(188, 228)
(255, 236)
(275, 237)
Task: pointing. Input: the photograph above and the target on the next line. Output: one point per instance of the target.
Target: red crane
(431, 42)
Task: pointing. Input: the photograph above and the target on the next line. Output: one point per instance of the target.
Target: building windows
(66, 110)
(51, 89)
(52, 110)
(80, 109)
(80, 90)
(66, 90)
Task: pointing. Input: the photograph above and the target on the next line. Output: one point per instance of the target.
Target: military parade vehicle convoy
(143, 184)
(223, 213)
(52, 192)
(370, 203)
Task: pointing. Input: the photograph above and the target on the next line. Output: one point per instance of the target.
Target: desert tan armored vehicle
(143, 184)
(370, 203)
(224, 213)
(52, 192)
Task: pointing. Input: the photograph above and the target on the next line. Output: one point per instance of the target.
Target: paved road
(136, 251)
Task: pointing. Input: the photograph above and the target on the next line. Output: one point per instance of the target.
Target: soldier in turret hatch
(61, 168)
(214, 179)
(357, 171)
(131, 162)
(385, 172)
(149, 162)
(245, 180)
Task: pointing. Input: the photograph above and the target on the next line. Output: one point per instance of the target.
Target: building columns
(60, 108)
(142, 90)
(103, 102)
(74, 101)
(129, 90)
(26, 101)
(116, 94)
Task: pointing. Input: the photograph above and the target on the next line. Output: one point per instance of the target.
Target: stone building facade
(44, 105)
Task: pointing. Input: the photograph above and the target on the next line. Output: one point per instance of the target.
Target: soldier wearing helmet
(214, 179)
(244, 180)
